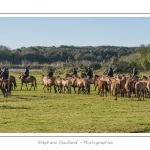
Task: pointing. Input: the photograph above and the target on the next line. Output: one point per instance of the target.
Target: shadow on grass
(13, 107)
(136, 100)
(28, 97)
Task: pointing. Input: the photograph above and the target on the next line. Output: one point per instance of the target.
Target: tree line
(122, 59)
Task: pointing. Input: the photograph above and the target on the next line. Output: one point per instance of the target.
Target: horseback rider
(7, 70)
(50, 74)
(135, 72)
(89, 73)
(110, 72)
(74, 72)
(26, 74)
(5, 74)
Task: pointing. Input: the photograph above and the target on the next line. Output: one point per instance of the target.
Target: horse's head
(42, 75)
(73, 80)
(20, 75)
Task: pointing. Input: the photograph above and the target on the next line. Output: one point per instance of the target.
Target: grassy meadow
(38, 112)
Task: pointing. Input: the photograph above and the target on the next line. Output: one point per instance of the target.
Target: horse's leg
(89, 88)
(64, 89)
(70, 89)
(50, 88)
(83, 90)
(95, 87)
(60, 88)
(55, 88)
(13, 86)
(26, 86)
(21, 86)
(47, 88)
(44, 88)
(115, 96)
(79, 89)
(101, 92)
(98, 91)
(31, 86)
(106, 93)
(143, 92)
(67, 89)
(74, 89)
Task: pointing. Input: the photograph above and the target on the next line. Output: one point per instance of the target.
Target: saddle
(24, 79)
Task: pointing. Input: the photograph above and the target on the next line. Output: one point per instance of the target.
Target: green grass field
(38, 112)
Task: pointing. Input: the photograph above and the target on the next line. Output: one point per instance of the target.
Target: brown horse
(74, 83)
(6, 86)
(115, 89)
(95, 78)
(83, 85)
(140, 88)
(129, 86)
(68, 75)
(102, 87)
(66, 85)
(47, 82)
(83, 75)
(13, 80)
(30, 79)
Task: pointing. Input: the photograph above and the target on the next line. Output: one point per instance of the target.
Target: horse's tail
(15, 85)
(35, 83)
(9, 86)
(114, 89)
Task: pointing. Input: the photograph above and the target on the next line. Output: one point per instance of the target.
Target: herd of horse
(117, 85)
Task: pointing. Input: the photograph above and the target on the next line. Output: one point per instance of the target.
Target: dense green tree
(78, 56)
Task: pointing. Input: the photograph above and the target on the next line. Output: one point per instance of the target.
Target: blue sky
(16, 32)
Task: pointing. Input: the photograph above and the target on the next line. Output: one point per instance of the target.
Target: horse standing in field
(140, 89)
(30, 79)
(74, 83)
(58, 84)
(6, 86)
(83, 85)
(95, 81)
(66, 85)
(102, 87)
(13, 80)
(115, 88)
(47, 82)
(129, 86)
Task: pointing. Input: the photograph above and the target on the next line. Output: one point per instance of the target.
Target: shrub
(96, 66)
